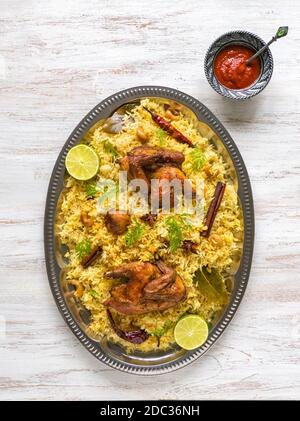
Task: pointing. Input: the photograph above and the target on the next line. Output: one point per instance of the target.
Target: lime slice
(82, 162)
(191, 332)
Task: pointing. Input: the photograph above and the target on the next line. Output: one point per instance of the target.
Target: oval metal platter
(111, 354)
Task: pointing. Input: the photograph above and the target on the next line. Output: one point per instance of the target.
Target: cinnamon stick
(213, 209)
(90, 258)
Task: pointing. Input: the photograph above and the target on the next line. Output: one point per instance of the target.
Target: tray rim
(102, 110)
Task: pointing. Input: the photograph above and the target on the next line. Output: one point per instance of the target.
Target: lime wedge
(190, 332)
(82, 162)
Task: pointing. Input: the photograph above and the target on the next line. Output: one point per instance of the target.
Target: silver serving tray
(75, 316)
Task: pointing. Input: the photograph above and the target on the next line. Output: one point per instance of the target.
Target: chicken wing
(169, 174)
(149, 287)
(151, 162)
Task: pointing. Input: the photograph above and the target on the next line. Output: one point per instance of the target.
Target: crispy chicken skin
(117, 222)
(142, 159)
(151, 162)
(149, 287)
(152, 157)
(169, 174)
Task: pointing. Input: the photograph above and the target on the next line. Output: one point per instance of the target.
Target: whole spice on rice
(167, 127)
(190, 246)
(137, 336)
(91, 257)
(213, 209)
(149, 218)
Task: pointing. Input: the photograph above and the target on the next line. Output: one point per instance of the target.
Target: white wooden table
(57, 60)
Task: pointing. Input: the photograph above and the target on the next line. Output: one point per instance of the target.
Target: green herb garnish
(161, 135)
(109, 148)
(197, 158)
(134, 233)
(176, 225)
(94, 293)
(175, 233)
(83, 248)
(91, 190)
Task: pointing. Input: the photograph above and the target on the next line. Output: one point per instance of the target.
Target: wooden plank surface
(57, 60)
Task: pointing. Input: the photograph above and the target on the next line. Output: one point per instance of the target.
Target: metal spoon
(281, 32)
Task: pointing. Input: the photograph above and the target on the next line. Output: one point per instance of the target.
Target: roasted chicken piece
(151, 162)
(151, 156)
(169, 174)
(149, 287)
(142, 159)
(117, 222)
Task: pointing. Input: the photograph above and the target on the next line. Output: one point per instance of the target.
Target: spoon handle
(281, 32)
(259, 52)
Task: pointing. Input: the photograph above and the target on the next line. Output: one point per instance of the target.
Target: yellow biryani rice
(216, 252)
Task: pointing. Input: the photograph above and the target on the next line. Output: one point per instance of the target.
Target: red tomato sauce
(231, 69)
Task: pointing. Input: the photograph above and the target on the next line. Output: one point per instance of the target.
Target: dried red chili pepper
(167, 127)
(213, 209)
(136, 336)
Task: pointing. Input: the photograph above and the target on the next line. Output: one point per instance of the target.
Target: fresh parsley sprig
(110, 148)
(94, 293)
(91, 190)
(161, 135)
(198, 159)
(83, 248)
(176, 225)
(134, 233)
